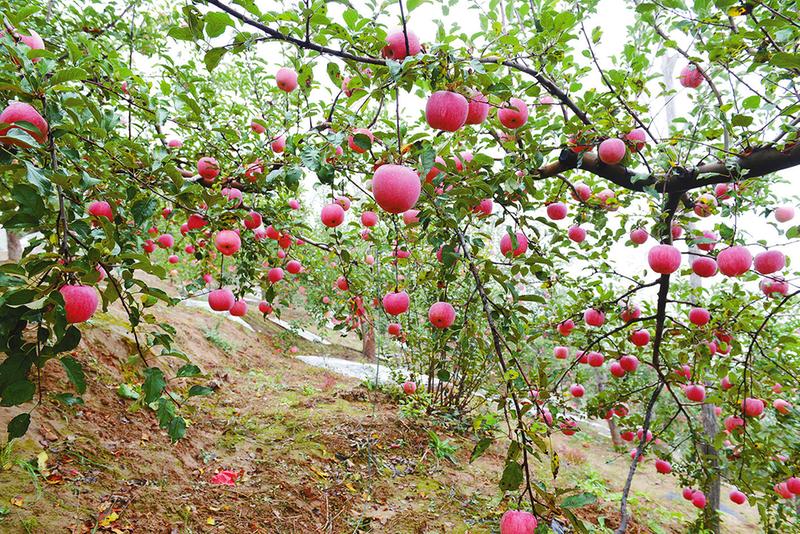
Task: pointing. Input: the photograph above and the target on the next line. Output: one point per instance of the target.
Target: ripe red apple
(699, 499)
(595, 359)
(691, 77)
(264, 307)
(438, 166)
(80, 302)
(396, 188)
(704, 266)
(221, 299)
(616, 369)
(446, 111)
(410, 217)
(294, 267)
(676, 231)
(576, 390)
(332, 215)
(174, 143)
(687, 493)
(664, 259)
(774, 286)
(394, 329)
(227, 242)
(517, 522)
(207, 168)
(663, 467)
(506, 245)
(396, 303)
(441, 314)
(195, 221)
(712, 237)
(239, 308)
(627, 435)
(173, 259)
(278, 144)
(22, 112)
(611, 151)
(636, 139)
(783, 490)
(793, 485)
(639, 235)
(734, 261)
(478, 108)
(396, 48)
(576, 234)
(629, 363)
(189, 249)
(294, 204)
(594, 317)
(782, 214)
(630, 313)
(149, 246)
(514, 114)
(753, 407)
(165, 241)
(699, 316)
(484, 207)
(561, 353)
(286, 79)
(252, 220)
(725, 383)
(352, 144)
(770, 261)
(342, 283)
(737, 497)
(556, 211)
(275, 275)
(640, 338)
(783, 407)
(695, 392)
(409, 388)
(101, 208)
(257, 127)
(565, 327)
(369, 218)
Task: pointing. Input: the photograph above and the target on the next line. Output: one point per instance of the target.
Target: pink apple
(351, 139)
(278, 144)
(396, 188)
(410, 217)
(616, 369)
(576, 234)
(227, 242)
(275, 275)
(516, 522)
(629, 363)
(165, 241)
(782, 214)
(394, 329)
(594, 317)
(441, 314)
(561, 353)
(699, 499)
(611, 151)
(207, 168)
(734, 261)
(595, 359)
(398, 47)
(630, 313)
(264, 307)
(342, 283)
(294, 204)
(782, 406)
(195, 221)
(286, 79)
(576, 390)
(332, 215)
(294, 267)
(695, 392)
(774, 286)
(173, 259)
(252, 220)
(239, 308)
(506, 245)
(636, 139)
(409, 388)
(484, 207)
(663, 467)
(691, 77)
(770, 261)
(556, 211)
(174, 143)
(664, 259)
(565, 327)
(101, 208)
(149, 246)
(708, 236)
(639, 236)
(446, 111)
(221, 299)
(20, 112)
(699, 316)
(737, 497)
(640, 338)
(478, 108)
(514, 114)
(676, 231)
(704, 266)
(396, 303)
(80, 302)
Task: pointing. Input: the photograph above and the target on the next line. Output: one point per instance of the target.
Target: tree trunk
(14, 246)
(368, 341)
(710, 428)
(616, 440)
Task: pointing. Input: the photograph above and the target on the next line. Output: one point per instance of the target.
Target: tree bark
(616, 439)
(710, 428)
(368, 341)
(14, 246)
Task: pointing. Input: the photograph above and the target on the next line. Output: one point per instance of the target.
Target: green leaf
(213, 57)
(742, 120)
(176, 429)
(36, 178)
(74, 372)
(350, 16)
(310, 158)
(70, 340)
(751, 102)
(195, 391)
(188, 370)
(68, 399)
(579, 500)
(362, 141)
(786, 60)
(512, 477)
(413, 4)
(216, 22)
(480, 448)
(181, 33)
(18, 134)
(153, 385)
(127, 392)
(18, 425)
(68, 75)
(143, 209)
(18, 392)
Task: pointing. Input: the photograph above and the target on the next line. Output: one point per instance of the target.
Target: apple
(576, 234)
(195, 221)
(221, 299)
(691, 77)
(21, 112)
(687, 493)
(332, 215)
(275, 275)
(517, 522)
(207, 168)
(705, 204)
(342, 283)
(174, 143)
(286, 79)
(710, 236)
(611, 151)
(561, 353)
(782, 214)
(165, 241)
(636, 139)
(369, 218)
(582, 192)
(565, 327)
(699, 316)
(616, 369)
(227, 242)
(769, 262)
(595, 359)
(264, 307)
(639, 235)
(793, 485)
(734, 261)
(438, 166)
(695, 392)
(478, 108)
(294, 204)
(252, 220)
(782, 489)
(698, 499)
(101, 208)
(80, 302)
(149, 246)
(630, 313)
(577, 390)
(351, 141)
(594, 317)
(737, 497)
(410, 217)
(640, 433)
(396, 188)
(664, 259)
(568, 427)
(189, 249)
(704, 266)
(394, 329)
(257, 127)
(556, 211)
(441, 314)
(232, 195)
(676, 231)
(294, 267)
(369, 259)
(663, 467)
(396, 48)
(484, 207)
(506, 245)
(783, 407)
(753, 407)
(640, 338)
(409, 388)
(396, 303)
(629, 363)
(239, 308)
(278, 144)
(774, 286)
(446, 111)
(514, 114)
(627, 435)
(173, 259)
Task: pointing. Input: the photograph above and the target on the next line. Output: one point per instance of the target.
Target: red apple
(21, 112)
(227, 242)
(478, 108)
(286, 79)
(664, 259)
(446, 111)
(441, 314)
(101, 208)
(207, 168)
(691, 77)
(332, 215)
(221, 299)
(506, 245)
(239, 308)
(80, 302)
(514, 114)
(734, 261)
(770, 261)
(699, 316)
(611, 151)
(396, 188)
(398, 47)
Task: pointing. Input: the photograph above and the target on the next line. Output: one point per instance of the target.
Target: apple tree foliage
(116, 82)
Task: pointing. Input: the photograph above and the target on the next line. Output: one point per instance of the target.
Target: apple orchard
(478, 234)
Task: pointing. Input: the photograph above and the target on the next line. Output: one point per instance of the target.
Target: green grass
(215, 338)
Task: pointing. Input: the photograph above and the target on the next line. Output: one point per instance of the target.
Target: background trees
(130, 114)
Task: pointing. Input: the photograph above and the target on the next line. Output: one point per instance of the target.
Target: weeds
(215, 338)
